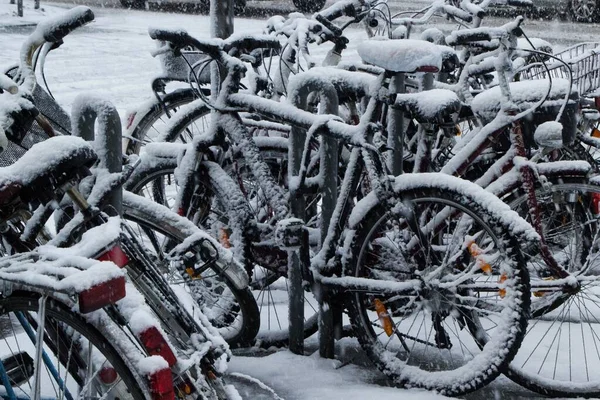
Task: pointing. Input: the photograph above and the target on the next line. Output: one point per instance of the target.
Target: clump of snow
(42, 157)
(524, 94)
(152, 364)
(549, 134)
(401, 55)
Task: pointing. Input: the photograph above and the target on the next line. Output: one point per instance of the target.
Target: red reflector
(428, 68)
(596, 203)
(130, 119)
(161, 385)
(116, 255)
(101, 295)
(107, 375)
(597, 102)
(181, 212)
(156, 345)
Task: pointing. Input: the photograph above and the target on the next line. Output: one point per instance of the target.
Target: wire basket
(584, 60)
(180, 67)
(57, 117)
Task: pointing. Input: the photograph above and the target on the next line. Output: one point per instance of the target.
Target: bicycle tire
(550, 362)
(152, 124)
(99, 336)
(268, 296)
(235, 333)
(481, 357)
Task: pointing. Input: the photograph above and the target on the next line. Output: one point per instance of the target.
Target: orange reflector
(192, 273)
(184, 388)
(502, 279)
(542, 293)
(475, 253)
(596, 132)
(384, 317)
(224, 238)
(101, 295)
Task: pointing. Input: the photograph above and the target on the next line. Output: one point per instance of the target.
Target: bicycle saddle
(404, 55)
(525, 94)
(431, 106)
(46, 166)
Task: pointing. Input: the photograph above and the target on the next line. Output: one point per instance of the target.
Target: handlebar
(50, 30)
(520, 3)
(466, 36)
(213, 47)
(56, 28)
(341, 8)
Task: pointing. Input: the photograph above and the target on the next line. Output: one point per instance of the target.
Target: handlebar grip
(458, 13)
(473, 9)
(520, 3)
(55, 29)
(467, 36)
(341, 8)
(181, 39)
(248, 44)
(325, 22)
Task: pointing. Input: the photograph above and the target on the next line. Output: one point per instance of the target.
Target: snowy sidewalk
(295, 377)
(9, 18)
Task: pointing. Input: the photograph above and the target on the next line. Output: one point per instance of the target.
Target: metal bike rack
(329, 315)
(88, 109)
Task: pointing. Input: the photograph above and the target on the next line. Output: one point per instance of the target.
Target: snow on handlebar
(56, 28)
(465, 36)
(7, 84)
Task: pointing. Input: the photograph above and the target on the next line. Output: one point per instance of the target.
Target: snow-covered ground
(112, 56)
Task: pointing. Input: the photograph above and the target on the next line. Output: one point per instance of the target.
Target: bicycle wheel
(465, 319)
(220, 216)
(155, 120)
(79, 359)
(560, 350)
(232, 311)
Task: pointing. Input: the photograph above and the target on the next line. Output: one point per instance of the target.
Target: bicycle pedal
(289, 233)
(19, 368)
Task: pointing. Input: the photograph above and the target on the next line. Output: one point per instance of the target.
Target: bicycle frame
(226, 121)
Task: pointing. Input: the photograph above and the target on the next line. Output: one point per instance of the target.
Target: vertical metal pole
(329, 312)
(396, 128)
(36, 4)
(221, 18)
(297, 207)
(20, 8)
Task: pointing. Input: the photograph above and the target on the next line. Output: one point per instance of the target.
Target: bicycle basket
(33, 133)
(584, 61)
(178, 67)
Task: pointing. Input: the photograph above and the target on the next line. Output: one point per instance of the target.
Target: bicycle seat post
(395, 127)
